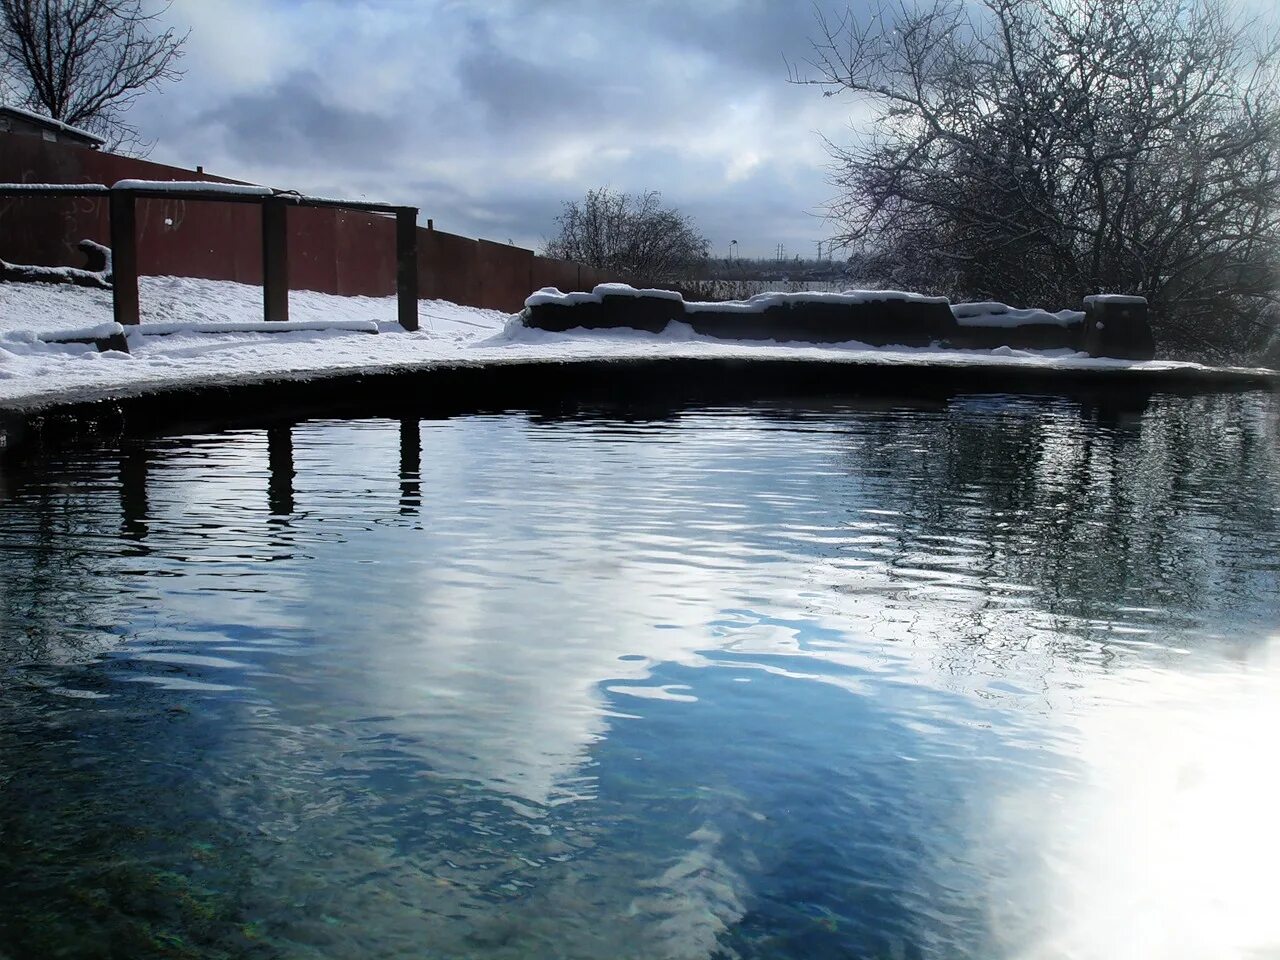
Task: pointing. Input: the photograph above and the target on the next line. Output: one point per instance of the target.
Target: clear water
(989, 678)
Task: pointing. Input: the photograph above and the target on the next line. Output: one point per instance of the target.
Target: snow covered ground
(34, 373)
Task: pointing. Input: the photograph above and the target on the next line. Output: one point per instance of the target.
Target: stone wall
(1110, 326)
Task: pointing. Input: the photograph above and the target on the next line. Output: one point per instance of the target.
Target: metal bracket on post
(407, 266)
(124, 257)
(275, 260)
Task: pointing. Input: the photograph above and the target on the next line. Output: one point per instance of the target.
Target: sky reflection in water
(989, 678)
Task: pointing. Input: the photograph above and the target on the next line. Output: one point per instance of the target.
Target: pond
(985, 677)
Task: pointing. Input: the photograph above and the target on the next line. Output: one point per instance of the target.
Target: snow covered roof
(48, 123)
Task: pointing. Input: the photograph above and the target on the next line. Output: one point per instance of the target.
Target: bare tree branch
(1039, 150)
(85, 62)
(631, 235)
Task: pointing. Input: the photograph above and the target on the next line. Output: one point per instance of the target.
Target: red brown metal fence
(345, 252)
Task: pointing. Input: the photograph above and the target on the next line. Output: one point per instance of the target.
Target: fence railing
(122, 210)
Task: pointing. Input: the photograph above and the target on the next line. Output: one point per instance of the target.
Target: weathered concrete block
(904, 322)
(990, 325)
(872, 317)
(1112, 326)
(1117, 326)
(742, 324)
(640, 310)
(558, 318)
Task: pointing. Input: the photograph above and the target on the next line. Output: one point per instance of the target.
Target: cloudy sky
(488, 114)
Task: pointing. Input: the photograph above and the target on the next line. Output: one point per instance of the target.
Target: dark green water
(990, 678)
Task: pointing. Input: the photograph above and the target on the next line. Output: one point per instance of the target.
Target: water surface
(984, 678)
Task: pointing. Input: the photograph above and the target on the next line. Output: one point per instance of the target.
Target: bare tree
(632, 235)
(84, 62)
(1038, 150)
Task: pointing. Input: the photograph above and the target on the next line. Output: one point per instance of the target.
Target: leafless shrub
(631, 235)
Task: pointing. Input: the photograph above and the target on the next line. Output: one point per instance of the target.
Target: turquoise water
(985, 678)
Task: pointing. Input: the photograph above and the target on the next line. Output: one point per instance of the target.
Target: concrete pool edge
(445, 386)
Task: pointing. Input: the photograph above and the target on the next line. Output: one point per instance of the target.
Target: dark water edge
(445, 389)
(853, 678)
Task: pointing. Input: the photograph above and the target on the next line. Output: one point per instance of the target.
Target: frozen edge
(49, 401)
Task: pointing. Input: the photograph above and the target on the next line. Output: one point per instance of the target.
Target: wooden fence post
(275, 260)
(124, 257)
(407, 266)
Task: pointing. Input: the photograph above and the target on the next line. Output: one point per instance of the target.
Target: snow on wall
(202, 186)
(99, 331)
(73, 188)
(993, 314)
(757, 304)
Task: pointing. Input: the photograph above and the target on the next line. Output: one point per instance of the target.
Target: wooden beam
(124, 258)
(407, 266)
(275, 261)
(410, 465)
(280, 470)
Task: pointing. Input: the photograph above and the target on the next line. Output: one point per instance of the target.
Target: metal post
(275, 261)
(407, 266)
(124, 257)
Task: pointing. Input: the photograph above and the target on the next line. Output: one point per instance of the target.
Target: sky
(488, 115)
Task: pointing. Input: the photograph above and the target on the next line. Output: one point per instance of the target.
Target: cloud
(292, 123)
(489, 115)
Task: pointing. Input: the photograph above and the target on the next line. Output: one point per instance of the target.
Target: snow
(57, 187)
(992, 314)
(322, 340)
(763, 301)
(295, 196)
(549, 295)
(97, 332)
(757, 304)
(202, 186)
(553, 295)
(58, 274)
(626, 290)
(163, 329)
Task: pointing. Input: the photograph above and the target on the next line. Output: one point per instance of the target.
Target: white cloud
(508, 109)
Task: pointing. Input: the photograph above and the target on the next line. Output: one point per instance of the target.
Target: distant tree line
(1035, 151)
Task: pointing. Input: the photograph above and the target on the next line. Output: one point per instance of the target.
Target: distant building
(25, 123)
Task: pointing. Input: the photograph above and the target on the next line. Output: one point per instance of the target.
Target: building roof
(40, 120)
